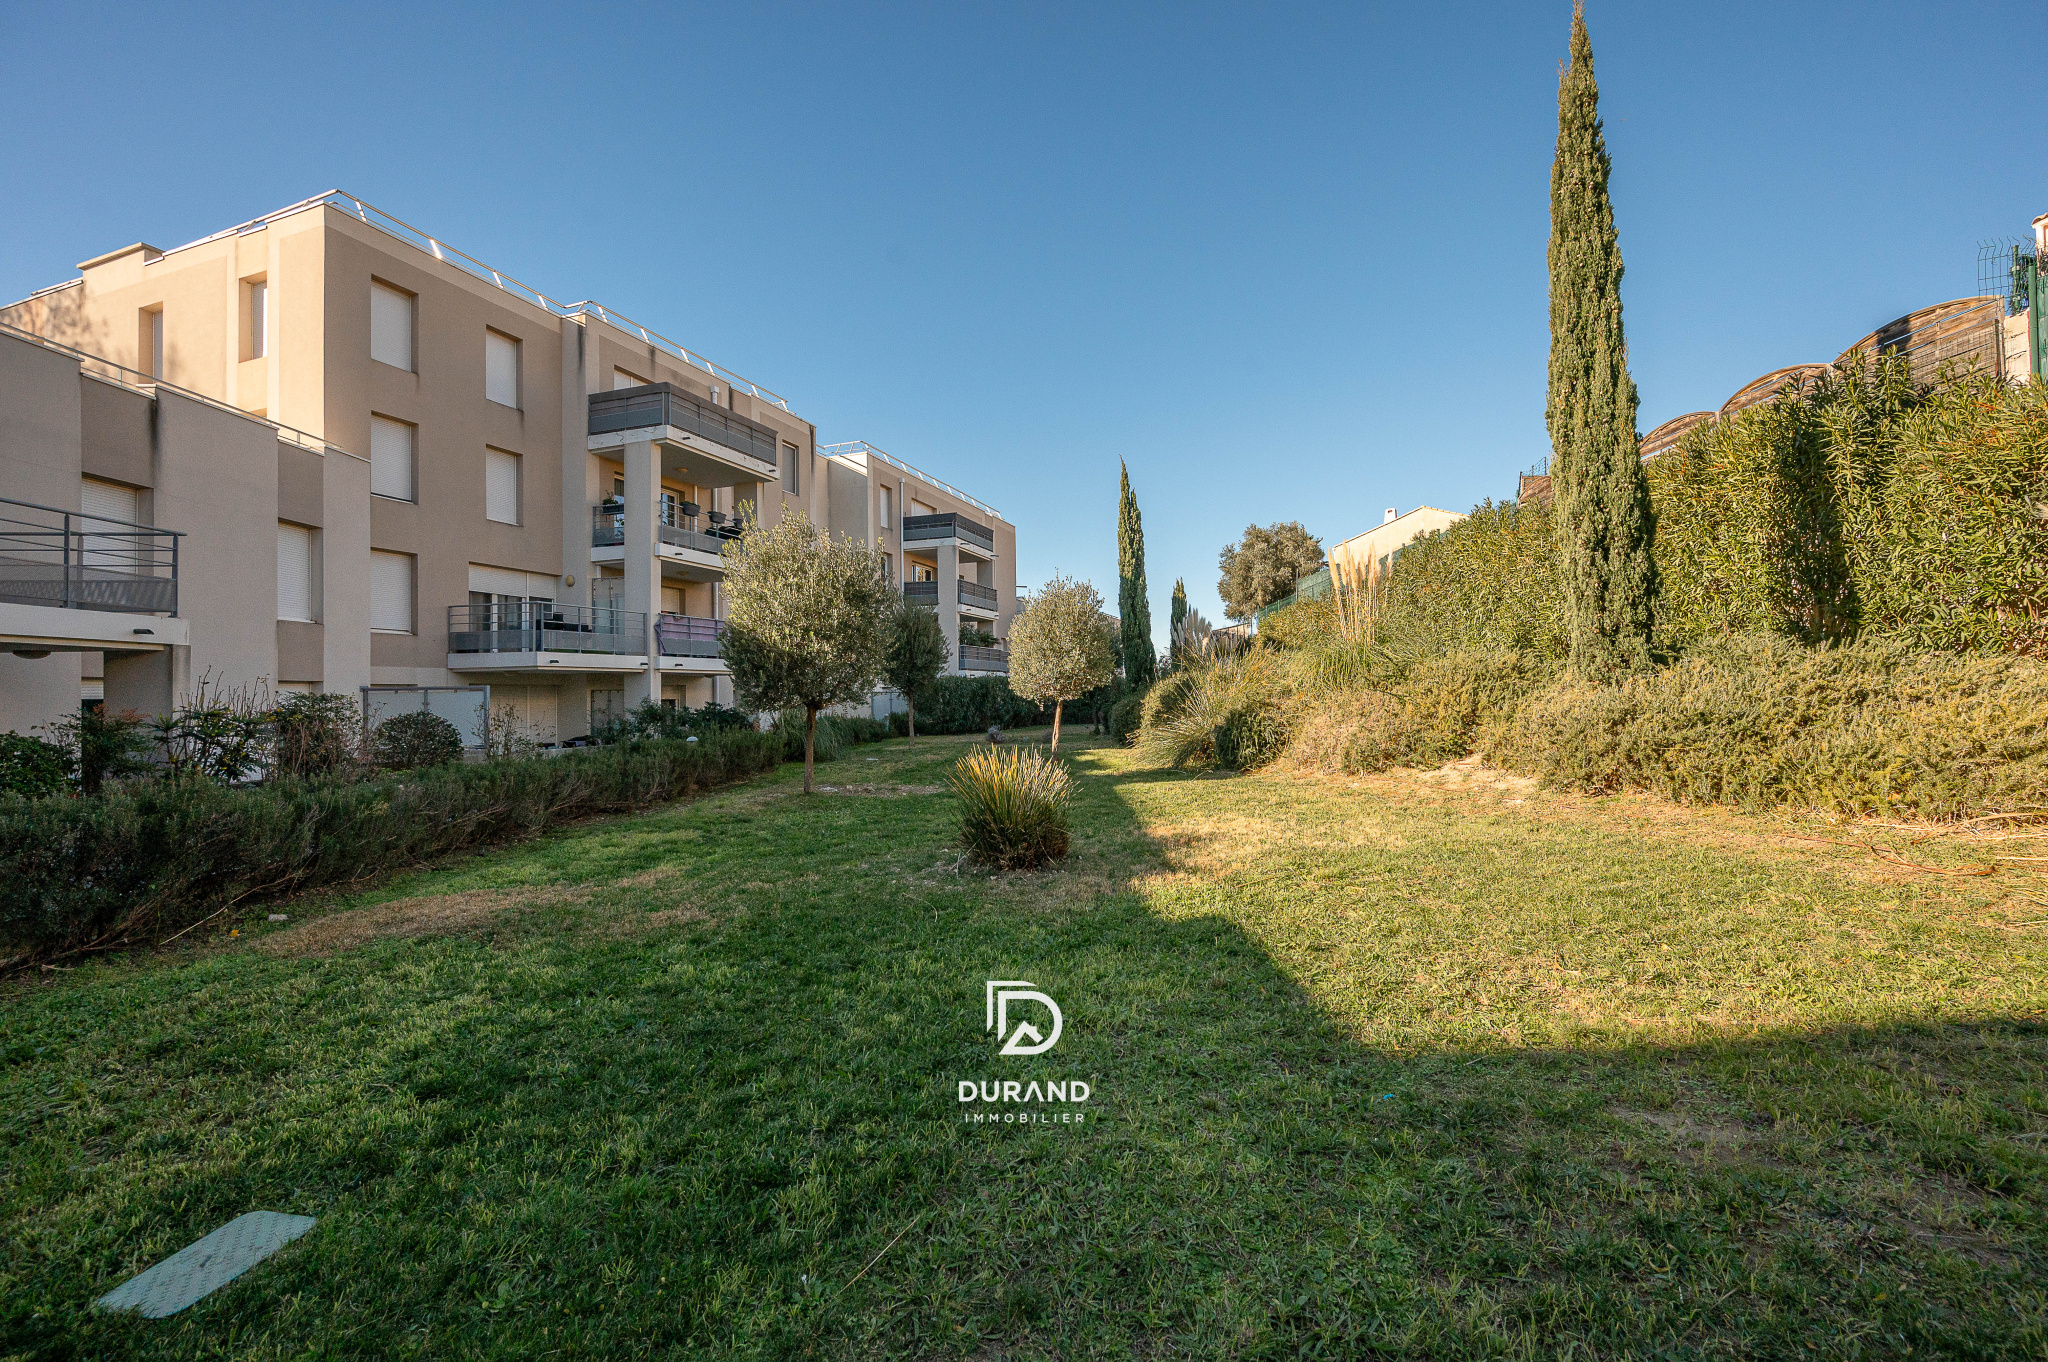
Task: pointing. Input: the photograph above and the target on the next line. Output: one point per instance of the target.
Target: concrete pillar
(949, 600)
(643, 569)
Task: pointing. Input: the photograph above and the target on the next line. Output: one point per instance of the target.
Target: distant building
(1388, 538)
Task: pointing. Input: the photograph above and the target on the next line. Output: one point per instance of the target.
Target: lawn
(1387, 1067)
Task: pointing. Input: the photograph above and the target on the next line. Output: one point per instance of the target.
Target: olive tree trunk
(810, 741)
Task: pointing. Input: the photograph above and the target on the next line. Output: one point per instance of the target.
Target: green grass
(1379, 1071)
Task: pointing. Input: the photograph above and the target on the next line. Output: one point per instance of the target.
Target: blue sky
(1287, 261)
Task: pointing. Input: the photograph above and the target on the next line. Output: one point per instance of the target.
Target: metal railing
(974, 593)
(922, 593)
(372, 216)
(608, 530)
(689, 635)
(544, 627)
(663, 404)
(976, 658)
(50, 556)
(853, 449)
(948, 525)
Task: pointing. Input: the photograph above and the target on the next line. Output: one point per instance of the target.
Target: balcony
(689, 635)
(62, 559)
(922, 593)
(975, 596)
(700, 441)
(975, 658)
(951, 525)
(531, 628)
(676, 525)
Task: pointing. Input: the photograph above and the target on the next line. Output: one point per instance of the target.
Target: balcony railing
(974, 593)
(689, 635)
(951, 525)
(608, 529)
(55, 557)
(976, 658)
(922, 593)
(664, 404)
(544, 627)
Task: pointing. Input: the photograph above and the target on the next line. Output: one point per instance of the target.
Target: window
(390, 592)
(391, 325)
(789, 461)
(392, 445)
(501, 487)
(622, 379)
(259, 296)
(885, 507)
(295, 573)
(153, 341)
(501, 369)
(888, 569)
(100, 503)
(919, 508)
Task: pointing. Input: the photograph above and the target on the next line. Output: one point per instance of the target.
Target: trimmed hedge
(148, 861)
(1761, 722)
(969, 704)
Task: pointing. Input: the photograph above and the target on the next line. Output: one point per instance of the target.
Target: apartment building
(547, 489)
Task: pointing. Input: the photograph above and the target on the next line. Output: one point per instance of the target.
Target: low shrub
(409, 741)
(1126, 715)
(144, 862)
(1013, 806)
(32, 768)
(1448, 697)
(652, 720)
(1185, 711)
(1760, 721)
(1250, 736)
(835, 734)
(1437, 711)
(315, 735)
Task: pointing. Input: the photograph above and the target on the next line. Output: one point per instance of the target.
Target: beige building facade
(1396, 530)
(537, 498)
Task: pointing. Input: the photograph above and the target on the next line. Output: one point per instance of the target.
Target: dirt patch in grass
(874, 791)
(1471, 773)
(430, 915)
(1701, 1138)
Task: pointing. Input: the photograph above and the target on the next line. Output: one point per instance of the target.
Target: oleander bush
(1013, 806)
(135, 865)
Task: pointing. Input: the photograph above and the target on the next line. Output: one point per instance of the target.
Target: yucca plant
(1013, 806)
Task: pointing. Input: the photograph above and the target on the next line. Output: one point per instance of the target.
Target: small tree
(1134, 611)
(1264, 566)
(1180, 612)
(916, 652)
(1062, 646)
(808, 622)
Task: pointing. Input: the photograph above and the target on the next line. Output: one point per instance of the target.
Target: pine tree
(1604, 524)
(1141, 664)
(1180, 612)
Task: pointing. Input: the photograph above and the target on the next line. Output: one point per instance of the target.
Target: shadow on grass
(700, 1137)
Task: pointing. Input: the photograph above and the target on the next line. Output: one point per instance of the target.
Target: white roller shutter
(392, 445)
(501, 486)
(501, 369)
(497, 581)
(622, 379)
(390, 592)
(294, 572)
(391, 325)
(100, 502)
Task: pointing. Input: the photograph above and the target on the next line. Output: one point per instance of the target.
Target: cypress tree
(1180, 612)
(1604, 524)
(1140, 663)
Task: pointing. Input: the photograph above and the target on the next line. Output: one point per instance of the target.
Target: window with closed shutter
(501, 486)
(392, 445)
(391, 588)
(622, 379)
(295, 574)
(110, 508)
(501, 369)
(391, 319)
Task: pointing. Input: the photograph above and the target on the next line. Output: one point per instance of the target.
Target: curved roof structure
(1965, 330)
(1760, 390)
(1664, 437)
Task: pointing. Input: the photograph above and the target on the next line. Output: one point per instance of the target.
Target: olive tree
(1263, 566)
(1062, 646)
(807, 620)
(915, 653)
